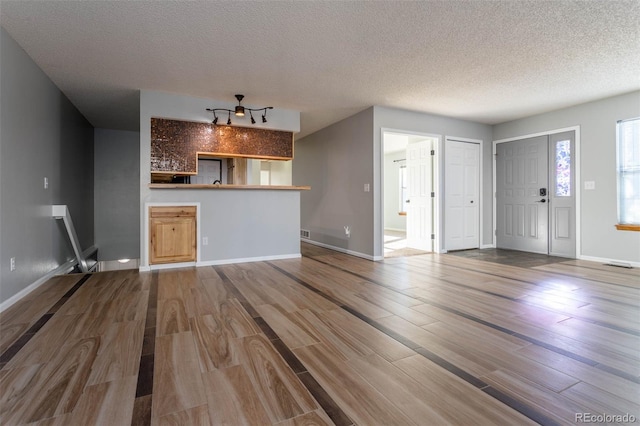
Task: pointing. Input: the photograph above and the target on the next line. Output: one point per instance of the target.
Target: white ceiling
(487, 61)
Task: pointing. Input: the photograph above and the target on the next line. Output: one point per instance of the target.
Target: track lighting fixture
(239, 112)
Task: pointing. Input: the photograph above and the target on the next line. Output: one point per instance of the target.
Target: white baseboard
(62, 269)
(167, 266)
(614, 261)
(487, 246)
(249, 259)
(395, 229)
(342, 250)
(219, 262)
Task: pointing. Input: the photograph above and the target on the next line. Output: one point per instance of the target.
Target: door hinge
(433, 152)
(433, 194)
(433, 236)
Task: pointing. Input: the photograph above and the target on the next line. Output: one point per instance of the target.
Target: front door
(535, 194)
(419, 187)
(522, 195)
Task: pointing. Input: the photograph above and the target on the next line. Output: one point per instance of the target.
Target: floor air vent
(619, 265)
(304, 233)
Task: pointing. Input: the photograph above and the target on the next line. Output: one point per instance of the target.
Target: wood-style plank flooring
(326, 339)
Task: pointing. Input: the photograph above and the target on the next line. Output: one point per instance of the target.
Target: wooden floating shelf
(251, 187)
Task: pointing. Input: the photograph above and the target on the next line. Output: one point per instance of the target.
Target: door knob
(408, 201)
(544, 200)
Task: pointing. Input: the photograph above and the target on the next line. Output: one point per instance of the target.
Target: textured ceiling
(487, 61)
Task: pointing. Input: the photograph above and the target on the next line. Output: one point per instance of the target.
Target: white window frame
(624, 207)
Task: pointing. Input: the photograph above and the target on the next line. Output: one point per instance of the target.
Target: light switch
(589, 184)
(46, 183)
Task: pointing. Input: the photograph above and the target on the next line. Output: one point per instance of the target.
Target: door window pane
(563, 168)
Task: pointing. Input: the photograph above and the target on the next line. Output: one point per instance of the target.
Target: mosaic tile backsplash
(175, 144)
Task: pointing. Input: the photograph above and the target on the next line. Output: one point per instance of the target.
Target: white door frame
(437, 184)
(577, 185)
(480, 192)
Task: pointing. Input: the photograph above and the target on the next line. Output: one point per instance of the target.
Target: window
(628, 132)
(563, 168)
(404, 195)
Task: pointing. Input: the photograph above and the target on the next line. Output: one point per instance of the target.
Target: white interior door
(209, 171)
(462, 195)
(420, 203)
(522, 206)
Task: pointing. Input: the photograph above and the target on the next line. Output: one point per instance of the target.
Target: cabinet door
(173, 239)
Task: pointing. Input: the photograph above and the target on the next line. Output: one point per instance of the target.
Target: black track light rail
(239, 111)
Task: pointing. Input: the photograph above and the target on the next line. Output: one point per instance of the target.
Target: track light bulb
(253, 121)
(215, 120)
(264, 117)
(229, 119)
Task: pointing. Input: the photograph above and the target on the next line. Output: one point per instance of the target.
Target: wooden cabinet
(172, 234)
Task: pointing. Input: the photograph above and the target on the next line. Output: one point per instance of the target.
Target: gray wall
(337, 161)
(117, 194)
(396, 119)
(597, 121)
(41, 135)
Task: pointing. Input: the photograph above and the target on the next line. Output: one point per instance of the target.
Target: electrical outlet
(205, 241)
(347, 231)
(13, 263)
(367, 187)
(46, 183)
(590, 184)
